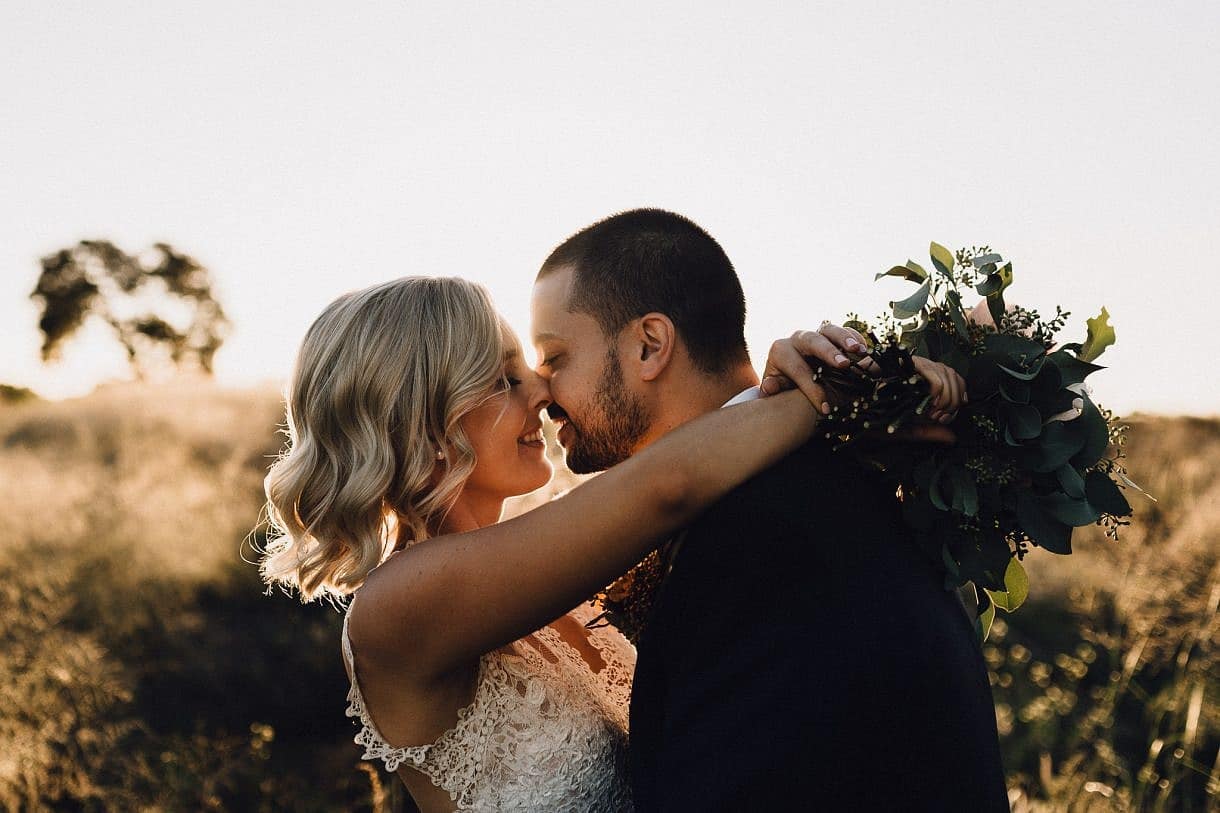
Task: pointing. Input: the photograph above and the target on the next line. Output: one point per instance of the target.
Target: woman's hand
(788, 367)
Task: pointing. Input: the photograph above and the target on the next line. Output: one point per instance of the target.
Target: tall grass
(1107, 684)
(144, 668)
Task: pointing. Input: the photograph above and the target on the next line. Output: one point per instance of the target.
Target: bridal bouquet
(1035, 456)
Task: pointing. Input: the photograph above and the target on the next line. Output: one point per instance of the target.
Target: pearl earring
(440, 454)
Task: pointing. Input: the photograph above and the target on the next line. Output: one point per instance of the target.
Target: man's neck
(696, 396)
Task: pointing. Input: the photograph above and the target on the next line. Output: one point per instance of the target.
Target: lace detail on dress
(543, 733)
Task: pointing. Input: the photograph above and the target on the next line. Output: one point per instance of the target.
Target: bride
(412, 415)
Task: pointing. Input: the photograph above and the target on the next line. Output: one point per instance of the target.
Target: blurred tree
(159, 303)
(16, 395)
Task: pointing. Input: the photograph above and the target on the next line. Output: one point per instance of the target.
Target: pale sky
(303, 149)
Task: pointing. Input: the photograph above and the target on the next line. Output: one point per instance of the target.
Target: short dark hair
(647, 260)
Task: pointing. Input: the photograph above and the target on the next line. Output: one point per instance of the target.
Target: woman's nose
(541, 396)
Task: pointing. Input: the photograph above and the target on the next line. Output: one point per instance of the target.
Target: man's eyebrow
(546, 337)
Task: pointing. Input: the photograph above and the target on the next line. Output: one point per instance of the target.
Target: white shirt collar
(748, 394)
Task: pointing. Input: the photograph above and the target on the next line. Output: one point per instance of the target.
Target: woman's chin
(541, 474)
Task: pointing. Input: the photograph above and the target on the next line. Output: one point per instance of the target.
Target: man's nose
(541, 396)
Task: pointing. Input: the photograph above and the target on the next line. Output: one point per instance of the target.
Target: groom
(800, 653)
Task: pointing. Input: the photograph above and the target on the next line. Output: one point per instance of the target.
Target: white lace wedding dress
(545, 732)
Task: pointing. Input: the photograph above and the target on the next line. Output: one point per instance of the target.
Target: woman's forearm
(729, 446)
(459, 596)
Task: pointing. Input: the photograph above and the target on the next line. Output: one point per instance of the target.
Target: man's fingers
(957, 387)
(775, 383)
(936, 387)
(955, 395)
(868, 365)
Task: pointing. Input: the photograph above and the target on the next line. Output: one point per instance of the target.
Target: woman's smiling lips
(533, 439)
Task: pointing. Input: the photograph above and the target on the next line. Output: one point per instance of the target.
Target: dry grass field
(143, 667)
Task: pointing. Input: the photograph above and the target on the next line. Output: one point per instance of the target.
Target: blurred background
(188, 185)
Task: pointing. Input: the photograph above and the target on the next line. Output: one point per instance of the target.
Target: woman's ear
(655, 338)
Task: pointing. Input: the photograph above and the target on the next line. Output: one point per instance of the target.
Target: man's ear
(654, 342)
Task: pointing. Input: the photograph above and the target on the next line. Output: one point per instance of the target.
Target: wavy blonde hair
(382, 379)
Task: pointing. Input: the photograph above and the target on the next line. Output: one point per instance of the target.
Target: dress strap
(375, 746)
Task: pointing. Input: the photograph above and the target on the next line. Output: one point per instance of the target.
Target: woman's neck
(470, 512)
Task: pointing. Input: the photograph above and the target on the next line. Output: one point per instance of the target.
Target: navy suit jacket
(803, 654)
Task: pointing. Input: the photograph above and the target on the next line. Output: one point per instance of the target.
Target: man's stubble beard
(621, 424)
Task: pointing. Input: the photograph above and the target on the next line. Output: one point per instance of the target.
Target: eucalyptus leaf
(950, 562)
(982, 624)
(986, 259)
(1069, 510)
(1019, 349)
(1043, 529)
(942, 258)
(935, 495)
(1071, 367)
(1047, 385)
(957, 315)
(1016, 584)
(1023, 420)
(993, 284)
(1016, 587)
(913, 304)
(996, 307)
(1096, 436)
(1105, 494)
(1100, 336)
(1056, 402)
(1027, 375)
(995, 296)
(1071, 481)
(911, 274)
(965, 492)
(1059, 443)
(1016, 392)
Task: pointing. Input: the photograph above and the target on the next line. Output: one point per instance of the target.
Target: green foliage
(142, 666)
(96, 279)
(1101, 336)
(1035, 457)
(1104, 683)
(16, 395)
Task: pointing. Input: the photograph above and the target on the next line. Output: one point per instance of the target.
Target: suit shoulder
(812, 468)
(813, 484)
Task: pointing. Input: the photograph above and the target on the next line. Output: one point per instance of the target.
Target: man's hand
(948, 389)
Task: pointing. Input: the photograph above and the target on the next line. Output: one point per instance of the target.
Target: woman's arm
(438, 605)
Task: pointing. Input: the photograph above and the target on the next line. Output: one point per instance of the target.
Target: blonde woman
(412, 416)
